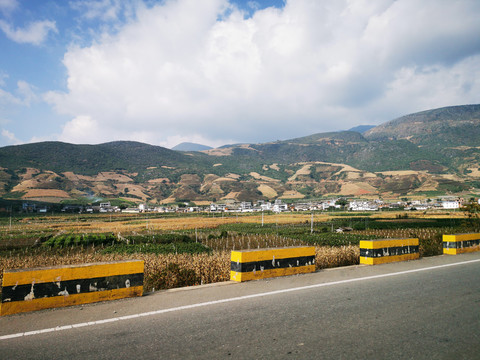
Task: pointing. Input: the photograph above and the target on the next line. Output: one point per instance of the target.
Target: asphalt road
(422, 309)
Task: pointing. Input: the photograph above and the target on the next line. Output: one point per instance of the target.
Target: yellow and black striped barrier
(461, 243)
(265, 263)
(43, 288)
(373, 252)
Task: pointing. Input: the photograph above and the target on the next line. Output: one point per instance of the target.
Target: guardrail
(461, 243)
(266, 263)
(373, 252)
(42, 288)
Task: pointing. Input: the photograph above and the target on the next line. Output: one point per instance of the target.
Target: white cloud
(172, 141)
(9, 137)
(200, 70)
(436, 32)
(35, 139)
(434, 86)
(105, 10)
(253, 5)
(35, 33)
(3, 77)
(25, 94)
(93, 9)
(8, 98)
(81, 128)
(8, 6)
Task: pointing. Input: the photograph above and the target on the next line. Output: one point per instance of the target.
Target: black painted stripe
(389, 251)
(460, 244)
(272, 264)
(78, 286)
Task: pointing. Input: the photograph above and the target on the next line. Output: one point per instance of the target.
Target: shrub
(78, 240)
(431, 246)
(171, 277)
(68, 240)
(59, 240)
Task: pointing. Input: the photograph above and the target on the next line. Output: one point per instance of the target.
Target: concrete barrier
(461, 243)
(373, 252)
(42, 288)
(265, 263)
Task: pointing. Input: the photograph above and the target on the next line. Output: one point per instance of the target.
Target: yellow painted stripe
(385, 243)
(450, 251)
(468, 249)
(14, 307)
(71, 272)
(449, 238)
(461, 237)
(461, 250)
(387, 259)
(268, 254)
(257, 275)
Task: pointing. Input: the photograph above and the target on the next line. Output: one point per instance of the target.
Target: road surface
(422, 309)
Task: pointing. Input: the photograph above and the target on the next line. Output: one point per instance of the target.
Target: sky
(218, 72)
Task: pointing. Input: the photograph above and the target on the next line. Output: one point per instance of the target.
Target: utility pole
(311, 224)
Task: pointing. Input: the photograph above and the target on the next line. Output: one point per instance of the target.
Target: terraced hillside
(429, 153)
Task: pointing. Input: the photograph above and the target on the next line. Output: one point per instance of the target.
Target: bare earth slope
(431, 152)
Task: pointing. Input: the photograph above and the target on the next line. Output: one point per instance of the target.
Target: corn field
(23, 242)
(249, 241)
(160, 274)
(422, 233)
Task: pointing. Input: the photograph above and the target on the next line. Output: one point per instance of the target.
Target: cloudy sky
(227, 71)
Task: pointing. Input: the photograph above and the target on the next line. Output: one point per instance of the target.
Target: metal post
(311, 225)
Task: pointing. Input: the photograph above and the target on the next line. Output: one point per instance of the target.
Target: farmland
(183, 250)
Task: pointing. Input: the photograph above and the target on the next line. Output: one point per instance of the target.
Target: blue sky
(219, 71)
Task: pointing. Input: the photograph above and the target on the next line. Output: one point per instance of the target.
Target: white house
(451, 204)
(266, 206)
(246, 206)
(279, 206)
(330, 203)
(362, 206)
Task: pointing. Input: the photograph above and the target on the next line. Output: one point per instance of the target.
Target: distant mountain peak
(188, 146)
(362, 128)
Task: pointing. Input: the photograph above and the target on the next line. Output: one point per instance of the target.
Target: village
(278, 206)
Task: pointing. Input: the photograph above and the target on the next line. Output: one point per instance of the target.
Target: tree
(342, 202)
(472, 212)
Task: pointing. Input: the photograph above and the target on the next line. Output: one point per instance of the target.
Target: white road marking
(208, 303)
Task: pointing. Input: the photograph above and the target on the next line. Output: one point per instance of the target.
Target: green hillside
(436, 149)
(448, 126)
(89, 159)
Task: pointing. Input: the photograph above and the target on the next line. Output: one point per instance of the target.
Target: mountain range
(188, 146)
(430, 153)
